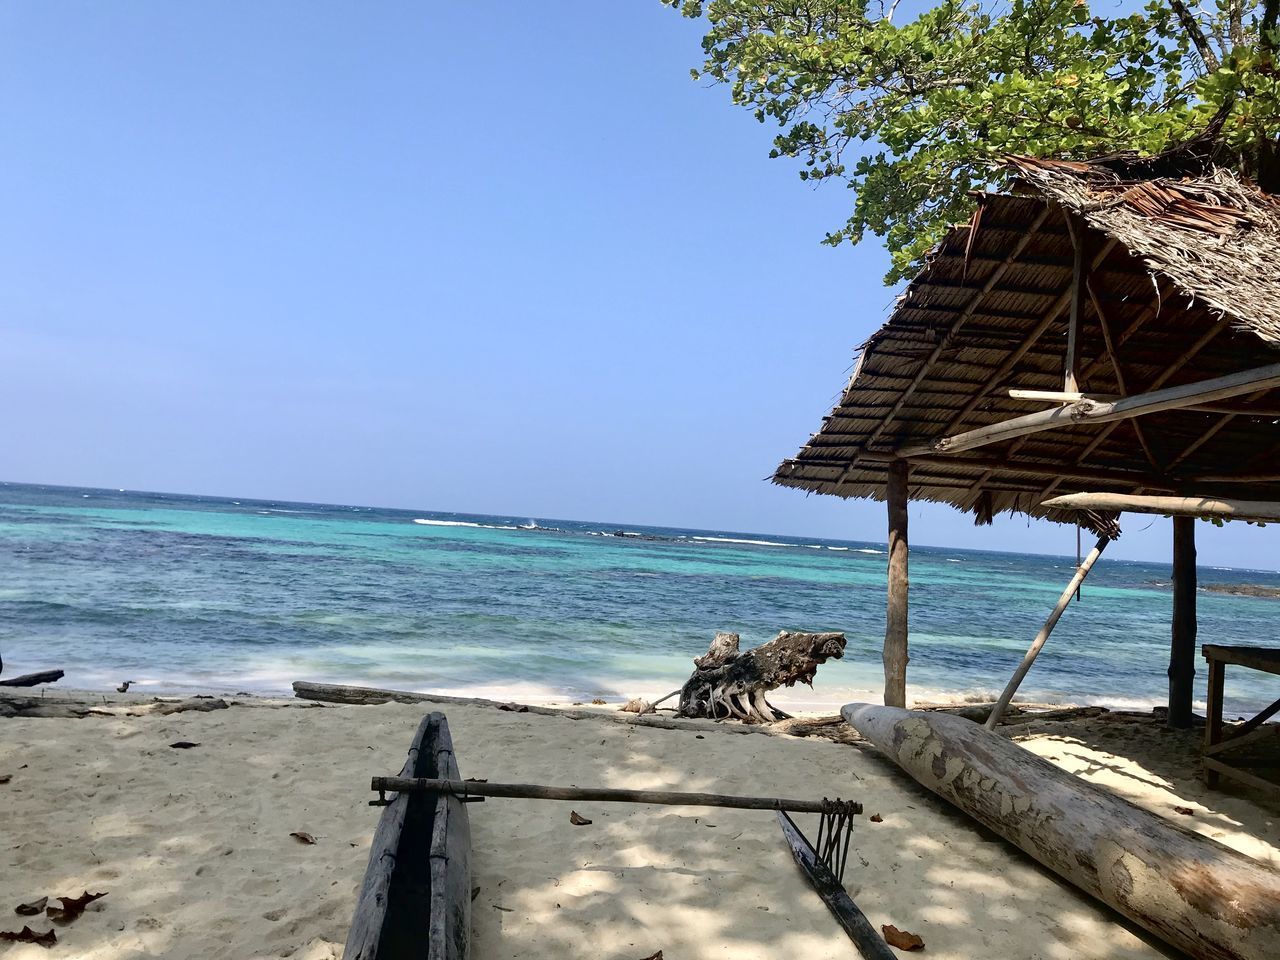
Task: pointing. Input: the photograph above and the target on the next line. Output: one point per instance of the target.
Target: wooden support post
(1182, 651)
(895, 620)
(1214, 714)
(1033, 651)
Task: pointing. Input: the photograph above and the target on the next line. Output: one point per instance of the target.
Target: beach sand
(193, 846)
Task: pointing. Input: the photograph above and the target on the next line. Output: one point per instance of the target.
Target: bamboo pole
(1168, 506)
(533, 791)
(1182, 641)
(1033, 651)
(1085, 411)
(1069, 381)
(895, 620)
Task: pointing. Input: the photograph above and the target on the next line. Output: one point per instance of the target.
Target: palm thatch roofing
(1183, 284)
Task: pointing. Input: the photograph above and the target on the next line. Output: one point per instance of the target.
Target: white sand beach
(193, 846)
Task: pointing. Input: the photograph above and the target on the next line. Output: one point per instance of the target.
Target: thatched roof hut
(1182, 284)
(1109, 330)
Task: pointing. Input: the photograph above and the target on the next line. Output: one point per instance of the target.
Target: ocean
(185, 593)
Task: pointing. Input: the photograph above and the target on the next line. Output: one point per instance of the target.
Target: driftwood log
(826, 728)
(77, 707)
(727, 683)
(33, 679)
(1204, 898)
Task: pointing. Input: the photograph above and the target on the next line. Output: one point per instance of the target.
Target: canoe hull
(1204, 898)
(415, 901)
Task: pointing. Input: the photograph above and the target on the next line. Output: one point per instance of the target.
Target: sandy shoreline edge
(194, 845)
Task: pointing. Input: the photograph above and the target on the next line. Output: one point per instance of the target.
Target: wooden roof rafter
(943, 366)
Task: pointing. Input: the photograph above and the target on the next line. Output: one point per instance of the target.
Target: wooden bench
(1266, 659)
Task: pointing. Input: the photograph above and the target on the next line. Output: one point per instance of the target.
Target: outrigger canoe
(415, 901)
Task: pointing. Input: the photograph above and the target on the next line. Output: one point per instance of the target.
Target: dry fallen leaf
(5, 777)
(475, 892)
(900, 938)
(576, 820)
(34, 908)
(72, 907)
(1185, 811)
(183, 745)
(656, 956)
(303, 837)
(876, 818)
(27, 935)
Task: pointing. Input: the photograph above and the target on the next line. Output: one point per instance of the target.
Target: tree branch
(1198, 39)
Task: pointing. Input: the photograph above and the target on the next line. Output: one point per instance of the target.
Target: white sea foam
(867, 550)
(814, 546)
(756, 543)
(837, 548)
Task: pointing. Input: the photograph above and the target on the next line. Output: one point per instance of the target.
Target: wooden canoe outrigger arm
(823, 861)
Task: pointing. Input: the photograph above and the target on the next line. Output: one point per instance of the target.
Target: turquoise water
(196, 592)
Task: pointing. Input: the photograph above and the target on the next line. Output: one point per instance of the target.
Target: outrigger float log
(416, 897)
(1192, 892)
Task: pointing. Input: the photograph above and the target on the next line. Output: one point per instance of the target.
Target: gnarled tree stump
(727, 683)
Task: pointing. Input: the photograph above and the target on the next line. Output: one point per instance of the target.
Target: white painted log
(1204, 898)
(1168, 506)
(1088, 411)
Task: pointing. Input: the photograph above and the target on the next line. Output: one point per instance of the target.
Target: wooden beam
(1187, 356)
(1266, 510)
(538, 791)
(1063, 396)
(1086, 411)
(1030, 468)
(1182, 641)
(959, 322)
(895, 621)
(1033, 651)
(1051, 316)
(1113, 355)
(1074, 317)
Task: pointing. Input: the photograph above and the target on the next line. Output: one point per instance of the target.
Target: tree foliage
(914, 116)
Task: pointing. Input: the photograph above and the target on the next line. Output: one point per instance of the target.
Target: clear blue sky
(496, 257)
